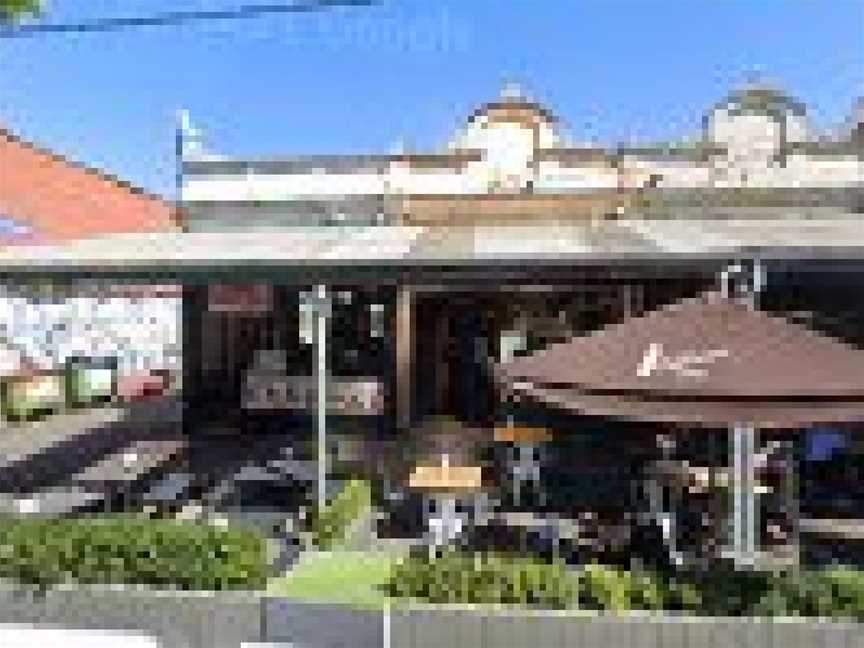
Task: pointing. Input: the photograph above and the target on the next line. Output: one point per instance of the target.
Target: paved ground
(20, 441)
(131, 455)
(90, 451)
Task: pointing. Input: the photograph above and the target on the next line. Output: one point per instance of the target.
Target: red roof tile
(60, 199)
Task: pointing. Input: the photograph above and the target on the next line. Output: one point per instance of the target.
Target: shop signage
(691, 364)
(349, 397)
(252, 299)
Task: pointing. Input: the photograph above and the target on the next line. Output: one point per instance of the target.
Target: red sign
(243, 299)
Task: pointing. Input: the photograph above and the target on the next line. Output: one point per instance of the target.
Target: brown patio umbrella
(709, 361)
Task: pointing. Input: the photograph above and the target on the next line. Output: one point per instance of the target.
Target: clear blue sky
(358, 80)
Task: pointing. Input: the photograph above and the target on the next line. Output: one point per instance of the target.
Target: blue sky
(359, 80)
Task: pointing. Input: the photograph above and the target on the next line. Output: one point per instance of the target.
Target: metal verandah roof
(386, 246)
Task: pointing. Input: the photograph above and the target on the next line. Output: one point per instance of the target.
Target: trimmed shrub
(726, 592)
(476, 578)
(835, 593)
(157, 553)
(331, 526)
(457, 577)
(606, 588)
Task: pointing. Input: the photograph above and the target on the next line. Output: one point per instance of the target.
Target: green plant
(477, 578)
(330, 526)
(836, 592)
(159, 553)
(607, 588)
(11, 10)
(728, 592)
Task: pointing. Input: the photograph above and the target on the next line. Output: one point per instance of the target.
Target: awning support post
(745, 525)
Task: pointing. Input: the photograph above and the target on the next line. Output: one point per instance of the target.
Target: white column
(321, 316)
(745, 527)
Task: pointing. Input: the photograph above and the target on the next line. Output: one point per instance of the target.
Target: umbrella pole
(744, 508)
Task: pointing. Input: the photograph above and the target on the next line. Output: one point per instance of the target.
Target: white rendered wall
(143, 333)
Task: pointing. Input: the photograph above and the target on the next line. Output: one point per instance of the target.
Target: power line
(175, 18)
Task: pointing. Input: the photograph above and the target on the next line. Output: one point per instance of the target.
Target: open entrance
(455, 337)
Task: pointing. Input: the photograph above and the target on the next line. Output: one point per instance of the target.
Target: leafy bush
(605, 588)
(159, 553)
(835, 593)
(831, 593)
(331, 525)
(457, 577)
(727, 592)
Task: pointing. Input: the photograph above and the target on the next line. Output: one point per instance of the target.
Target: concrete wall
(435, 628)
(310, 625)
(178, 621)
(227, 620)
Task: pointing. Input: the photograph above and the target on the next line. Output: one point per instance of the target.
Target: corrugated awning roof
(540, 243)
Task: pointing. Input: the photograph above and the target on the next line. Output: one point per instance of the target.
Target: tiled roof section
(60, 199)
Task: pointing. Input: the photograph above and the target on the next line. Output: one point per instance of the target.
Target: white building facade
(758, 141)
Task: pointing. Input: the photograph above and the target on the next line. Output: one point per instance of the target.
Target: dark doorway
(455, 339)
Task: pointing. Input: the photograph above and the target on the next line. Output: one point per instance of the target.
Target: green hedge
(330, 526)
(837, 593)
(457, 577)
(158, 553)
(726, 592)
(606, 588)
